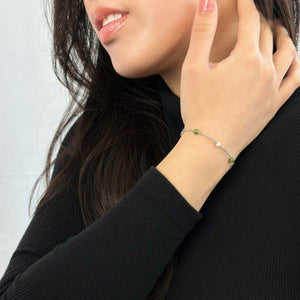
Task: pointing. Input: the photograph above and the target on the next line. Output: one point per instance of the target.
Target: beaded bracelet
(218, 144)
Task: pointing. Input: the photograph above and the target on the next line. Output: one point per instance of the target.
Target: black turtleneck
(243, 244)
(247, 244)
(171, 108)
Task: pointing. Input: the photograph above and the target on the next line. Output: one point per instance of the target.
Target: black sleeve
(120, 256)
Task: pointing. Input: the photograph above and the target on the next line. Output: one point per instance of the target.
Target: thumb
(203, 33)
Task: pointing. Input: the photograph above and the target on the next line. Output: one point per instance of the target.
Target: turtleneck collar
(171, 108)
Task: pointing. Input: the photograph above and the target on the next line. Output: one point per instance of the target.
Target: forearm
(194, 167)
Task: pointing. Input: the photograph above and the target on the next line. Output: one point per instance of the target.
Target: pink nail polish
(206, 6)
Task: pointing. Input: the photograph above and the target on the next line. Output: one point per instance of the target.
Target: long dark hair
(119, 129)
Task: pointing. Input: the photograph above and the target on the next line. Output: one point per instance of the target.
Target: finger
(285, 52)
(249, 26)
(266, 39)
(202, 36)
(292, 80)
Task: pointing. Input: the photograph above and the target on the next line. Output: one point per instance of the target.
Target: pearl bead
(218, 145)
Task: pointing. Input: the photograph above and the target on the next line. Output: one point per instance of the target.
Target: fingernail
(206, 6)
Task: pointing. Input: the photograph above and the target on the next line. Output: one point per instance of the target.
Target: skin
(156, 40)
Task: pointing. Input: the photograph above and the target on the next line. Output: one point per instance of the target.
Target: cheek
(151, 45)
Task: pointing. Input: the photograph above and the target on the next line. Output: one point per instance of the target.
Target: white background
(32, 103)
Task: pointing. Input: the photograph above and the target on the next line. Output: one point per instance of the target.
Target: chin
(134, 71)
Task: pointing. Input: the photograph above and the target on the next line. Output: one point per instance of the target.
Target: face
(153, 40)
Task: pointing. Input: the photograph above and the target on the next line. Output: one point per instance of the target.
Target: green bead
(196, 131)
(231, 160)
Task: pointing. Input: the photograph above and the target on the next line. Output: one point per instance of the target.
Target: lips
(102, 13)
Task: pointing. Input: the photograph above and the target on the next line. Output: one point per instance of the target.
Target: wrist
(194, 167)
(201, 150)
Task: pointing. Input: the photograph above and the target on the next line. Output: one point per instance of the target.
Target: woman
(133, 210)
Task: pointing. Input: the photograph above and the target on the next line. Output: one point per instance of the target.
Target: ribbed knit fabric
(247, 245)
(244, 244)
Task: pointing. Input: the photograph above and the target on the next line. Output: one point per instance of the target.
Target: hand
(233, 100)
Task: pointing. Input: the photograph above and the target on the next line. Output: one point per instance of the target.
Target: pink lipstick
(114, 19)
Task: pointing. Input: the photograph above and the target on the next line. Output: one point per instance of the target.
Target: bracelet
(218, 144)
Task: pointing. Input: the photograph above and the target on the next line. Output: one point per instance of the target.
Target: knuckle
(189, 69)
(269, 73)
(252, 60)
(203, 30)
(285, 41)
(289, 47)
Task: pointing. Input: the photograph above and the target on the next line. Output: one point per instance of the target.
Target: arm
(120, 256)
